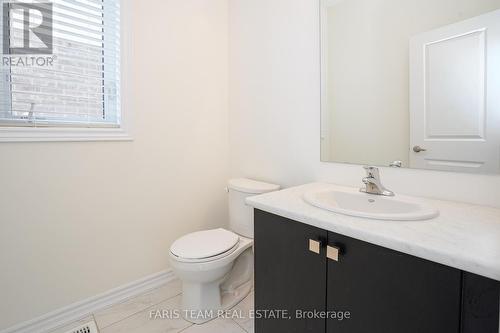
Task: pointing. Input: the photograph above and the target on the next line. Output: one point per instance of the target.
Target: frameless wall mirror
(411, 83)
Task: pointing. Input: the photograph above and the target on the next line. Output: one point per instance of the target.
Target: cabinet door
(480, 304)
(288, 275)
(390, 292)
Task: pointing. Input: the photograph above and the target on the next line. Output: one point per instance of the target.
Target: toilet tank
(240, 214)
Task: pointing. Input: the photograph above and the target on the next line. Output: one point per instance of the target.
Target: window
(61, 69)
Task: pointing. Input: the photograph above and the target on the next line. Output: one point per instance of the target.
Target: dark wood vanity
(343, 285)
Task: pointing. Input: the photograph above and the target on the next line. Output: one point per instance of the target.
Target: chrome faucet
(373, 183)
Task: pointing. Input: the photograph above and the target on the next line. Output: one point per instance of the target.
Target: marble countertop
(463, 236)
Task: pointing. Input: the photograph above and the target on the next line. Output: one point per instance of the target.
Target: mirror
(411, 83)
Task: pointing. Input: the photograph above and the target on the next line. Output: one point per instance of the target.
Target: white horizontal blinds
(4, 75)
(112, 59)
(81, 87)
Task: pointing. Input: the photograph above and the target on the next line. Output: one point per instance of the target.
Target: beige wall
(368, 72)
(78, 219)
(275, 108)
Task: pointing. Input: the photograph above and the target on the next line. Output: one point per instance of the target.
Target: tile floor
(133, 316)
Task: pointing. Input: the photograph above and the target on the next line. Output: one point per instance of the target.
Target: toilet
(216, 266)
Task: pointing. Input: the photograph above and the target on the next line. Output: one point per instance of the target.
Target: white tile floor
(133, 316)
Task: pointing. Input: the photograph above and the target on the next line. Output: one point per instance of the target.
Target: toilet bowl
(216, 266)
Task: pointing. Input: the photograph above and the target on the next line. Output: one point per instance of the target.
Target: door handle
(418, 149)
(396, 164)
(332, 253)
(314, 246)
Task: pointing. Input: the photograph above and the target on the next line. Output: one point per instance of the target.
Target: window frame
(77, 134)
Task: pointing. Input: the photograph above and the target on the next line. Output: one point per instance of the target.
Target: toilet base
(207, 301)
(229, 300)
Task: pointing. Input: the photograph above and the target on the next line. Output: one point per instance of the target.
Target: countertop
(463, 236)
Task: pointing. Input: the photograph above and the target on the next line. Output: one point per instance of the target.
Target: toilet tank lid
(251, 186)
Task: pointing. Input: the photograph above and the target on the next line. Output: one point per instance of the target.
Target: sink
(352, 202)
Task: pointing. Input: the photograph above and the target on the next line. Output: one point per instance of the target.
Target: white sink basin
(351, 202)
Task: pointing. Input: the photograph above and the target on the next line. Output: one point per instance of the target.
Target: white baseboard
(82, 309)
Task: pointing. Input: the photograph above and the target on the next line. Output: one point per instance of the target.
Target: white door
(455, 97)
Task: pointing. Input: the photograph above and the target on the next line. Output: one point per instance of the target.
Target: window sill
(44, 134)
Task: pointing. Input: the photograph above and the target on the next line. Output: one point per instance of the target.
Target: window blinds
(81, 85)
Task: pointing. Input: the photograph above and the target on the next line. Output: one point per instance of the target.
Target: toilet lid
(204, 244)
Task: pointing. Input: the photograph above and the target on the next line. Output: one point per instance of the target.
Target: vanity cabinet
(302, 268)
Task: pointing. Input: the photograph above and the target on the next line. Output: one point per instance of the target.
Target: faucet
(373, 183)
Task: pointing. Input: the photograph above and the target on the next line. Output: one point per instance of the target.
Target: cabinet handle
(314, 246)
(332, 253)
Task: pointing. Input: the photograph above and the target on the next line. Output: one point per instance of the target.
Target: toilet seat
(205, 246)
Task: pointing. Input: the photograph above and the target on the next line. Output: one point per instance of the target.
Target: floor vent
(89, 327)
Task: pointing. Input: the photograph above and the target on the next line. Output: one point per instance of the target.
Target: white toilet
(216, 266)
